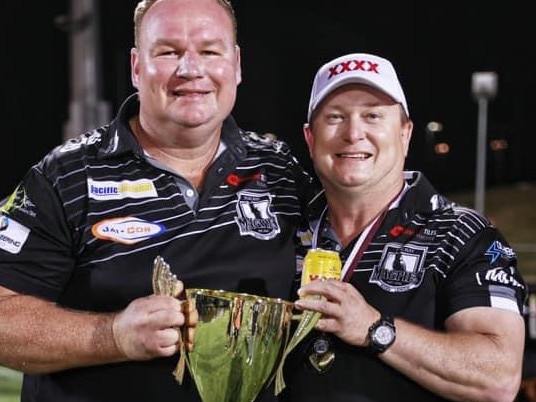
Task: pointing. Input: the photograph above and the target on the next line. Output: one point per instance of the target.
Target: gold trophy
(240, 343)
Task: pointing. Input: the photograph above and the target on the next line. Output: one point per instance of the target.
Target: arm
(37, 336)
(478, 357)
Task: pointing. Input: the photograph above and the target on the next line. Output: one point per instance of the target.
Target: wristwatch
(382, 334)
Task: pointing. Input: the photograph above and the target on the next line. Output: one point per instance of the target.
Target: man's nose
(190, 65)
(355, 130)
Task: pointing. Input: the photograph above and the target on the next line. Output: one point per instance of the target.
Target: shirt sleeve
(36, 254)
(485, 274)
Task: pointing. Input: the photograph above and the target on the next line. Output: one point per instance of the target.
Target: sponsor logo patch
(75, 143)
(4, 222)
(126, 230)
(13, 236)
(19, 201)
(497, 249)
(255, 217)
(437, 202)
(257, 141)
(500, 276)
(400, 268)
(114, 190)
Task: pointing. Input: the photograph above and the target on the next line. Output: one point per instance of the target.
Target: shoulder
(465, 217)
(267, 149)
(438, 209)
(265, 142)
(467, 235)
(76, 149)
(66, 165)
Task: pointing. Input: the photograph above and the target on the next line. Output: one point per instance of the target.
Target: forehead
(167, 18)
(358, 94)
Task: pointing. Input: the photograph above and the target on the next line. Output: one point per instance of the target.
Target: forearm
(457, 365)
(37, 336)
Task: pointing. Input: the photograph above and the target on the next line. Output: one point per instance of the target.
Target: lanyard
(363, 240)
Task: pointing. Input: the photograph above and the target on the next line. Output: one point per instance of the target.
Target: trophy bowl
(239, 341)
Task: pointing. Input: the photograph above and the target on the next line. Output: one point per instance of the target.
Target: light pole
(483, 88)
(86, 109)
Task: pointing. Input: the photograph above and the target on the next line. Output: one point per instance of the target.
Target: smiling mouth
(358, 156)
(191, 94)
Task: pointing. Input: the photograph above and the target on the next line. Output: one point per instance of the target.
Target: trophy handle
(307, 320)
(180, 369)
(164, 283)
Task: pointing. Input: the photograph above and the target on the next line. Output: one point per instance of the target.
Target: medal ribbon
(364, 238)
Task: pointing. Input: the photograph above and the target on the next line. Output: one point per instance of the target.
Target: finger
(321, 326)
(178, 289)
(169, 336)
(167, 341)
(321, 305)
(166, 317)
(155, 303)
(317, 287)
(331, 289)
(170, 350)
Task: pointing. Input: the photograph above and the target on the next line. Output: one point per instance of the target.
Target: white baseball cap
(359, 68)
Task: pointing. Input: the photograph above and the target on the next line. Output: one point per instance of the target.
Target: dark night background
(435, 46)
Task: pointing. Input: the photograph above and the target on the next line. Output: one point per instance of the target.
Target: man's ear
(309, 137)
(407, 131)
(134, 67)
(238, 65)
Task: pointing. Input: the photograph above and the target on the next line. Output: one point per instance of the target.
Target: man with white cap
(429, 304)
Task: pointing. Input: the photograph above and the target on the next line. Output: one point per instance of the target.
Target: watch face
(383, 335)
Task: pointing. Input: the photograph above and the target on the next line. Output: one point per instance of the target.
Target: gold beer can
(321, 264)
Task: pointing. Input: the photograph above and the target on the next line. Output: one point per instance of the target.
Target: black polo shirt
(85, 224)
(428, 259)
